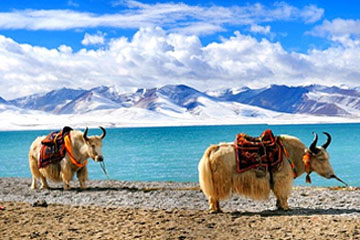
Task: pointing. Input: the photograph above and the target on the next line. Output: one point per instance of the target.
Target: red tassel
(308, 179)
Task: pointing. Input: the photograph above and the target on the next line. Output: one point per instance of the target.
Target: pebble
(171, 196)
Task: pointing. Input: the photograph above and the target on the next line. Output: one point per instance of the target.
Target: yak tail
(205, 174)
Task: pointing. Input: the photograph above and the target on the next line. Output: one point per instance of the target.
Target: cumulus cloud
(343, 31)
(174, 17)
(153, 57)
(94, 39)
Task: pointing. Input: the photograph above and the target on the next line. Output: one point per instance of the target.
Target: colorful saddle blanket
(53, 147)
(261, 152)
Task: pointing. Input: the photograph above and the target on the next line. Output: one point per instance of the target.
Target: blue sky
(46, 45)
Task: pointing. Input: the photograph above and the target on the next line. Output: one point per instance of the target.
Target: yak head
(319, 158)
(94, 145)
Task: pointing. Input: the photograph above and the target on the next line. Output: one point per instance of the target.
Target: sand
(164, 210)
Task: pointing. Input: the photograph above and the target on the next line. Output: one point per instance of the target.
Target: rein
(68, 148)
(292, 165)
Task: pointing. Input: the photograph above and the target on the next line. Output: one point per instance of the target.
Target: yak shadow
(297, 212)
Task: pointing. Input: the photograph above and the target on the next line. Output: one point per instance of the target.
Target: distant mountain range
(313, 99)
(183, 103)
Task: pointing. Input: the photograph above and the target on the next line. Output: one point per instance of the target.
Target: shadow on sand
(298, 212)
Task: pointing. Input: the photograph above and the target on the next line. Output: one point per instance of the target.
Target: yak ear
(85, 134)
(312, 147)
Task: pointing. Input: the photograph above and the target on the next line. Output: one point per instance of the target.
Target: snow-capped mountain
(314, 99)
(48, 102)
(181, 104)
(2, 100)
(95, 99)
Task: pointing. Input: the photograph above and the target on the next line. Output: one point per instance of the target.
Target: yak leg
(281, 199)
(66, 175)
(214, 205)
(82, 176)
(44, 184)
(282, 190)
(33, 184)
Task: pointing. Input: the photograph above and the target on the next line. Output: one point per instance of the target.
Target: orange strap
(68, 148)
(306, 160)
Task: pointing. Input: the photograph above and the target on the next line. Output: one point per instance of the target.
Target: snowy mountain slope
(48, 102)
(152, 107)
(314, 99)
(3, 101)
(89, 101)
(181, 103)
(170, 99)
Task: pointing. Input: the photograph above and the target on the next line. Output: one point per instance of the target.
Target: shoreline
(110, 209)
(310, 121)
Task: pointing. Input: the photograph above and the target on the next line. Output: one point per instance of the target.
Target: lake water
(173, 153)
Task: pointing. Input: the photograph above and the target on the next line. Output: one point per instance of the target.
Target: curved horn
(328, 141)
(104, 132)
(85, 134)
(313, 144)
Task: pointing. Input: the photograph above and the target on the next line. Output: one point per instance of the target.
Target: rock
(39, 203)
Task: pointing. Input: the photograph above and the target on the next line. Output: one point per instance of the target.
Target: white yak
(218, 177)
(83, 147)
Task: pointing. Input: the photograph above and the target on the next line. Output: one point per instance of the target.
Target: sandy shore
(153, 210)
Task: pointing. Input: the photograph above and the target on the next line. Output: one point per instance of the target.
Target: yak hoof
(283, 209)
(212, 211)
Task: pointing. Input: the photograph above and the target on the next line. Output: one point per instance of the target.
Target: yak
(218, 177)
(82, 147)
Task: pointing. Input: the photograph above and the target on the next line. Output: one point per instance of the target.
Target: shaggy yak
(80, 146)
(218, 176)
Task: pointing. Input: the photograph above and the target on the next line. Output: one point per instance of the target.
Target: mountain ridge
(317, 100)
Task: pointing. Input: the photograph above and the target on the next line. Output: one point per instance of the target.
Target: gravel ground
(171, 195)
(167, 210)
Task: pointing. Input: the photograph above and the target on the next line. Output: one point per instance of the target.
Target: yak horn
(85, 134)
(328, 141)
(104, 132)
(313, 144)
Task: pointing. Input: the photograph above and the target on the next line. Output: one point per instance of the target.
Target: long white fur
(218, 177)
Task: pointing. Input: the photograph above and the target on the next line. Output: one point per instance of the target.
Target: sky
(47, 45)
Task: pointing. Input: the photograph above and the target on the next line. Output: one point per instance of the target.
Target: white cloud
(260, 29)
(311, 14)
(337, 27)
(153, 57)
(95, 39)
(72, 3)
(344, 31)
(179, 17)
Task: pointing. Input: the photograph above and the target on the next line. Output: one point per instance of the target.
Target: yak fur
(83, 148)
(218, 177)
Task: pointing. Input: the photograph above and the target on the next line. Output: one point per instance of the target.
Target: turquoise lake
(173, 153)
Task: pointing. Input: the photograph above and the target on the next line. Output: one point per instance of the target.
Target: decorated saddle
(53, 147)
(263, 152)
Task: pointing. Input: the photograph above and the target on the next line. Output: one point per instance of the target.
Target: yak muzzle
(99, 158)
(337, 178)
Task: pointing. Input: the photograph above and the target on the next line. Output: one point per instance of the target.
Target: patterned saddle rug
(53, 147)
(263, 152)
